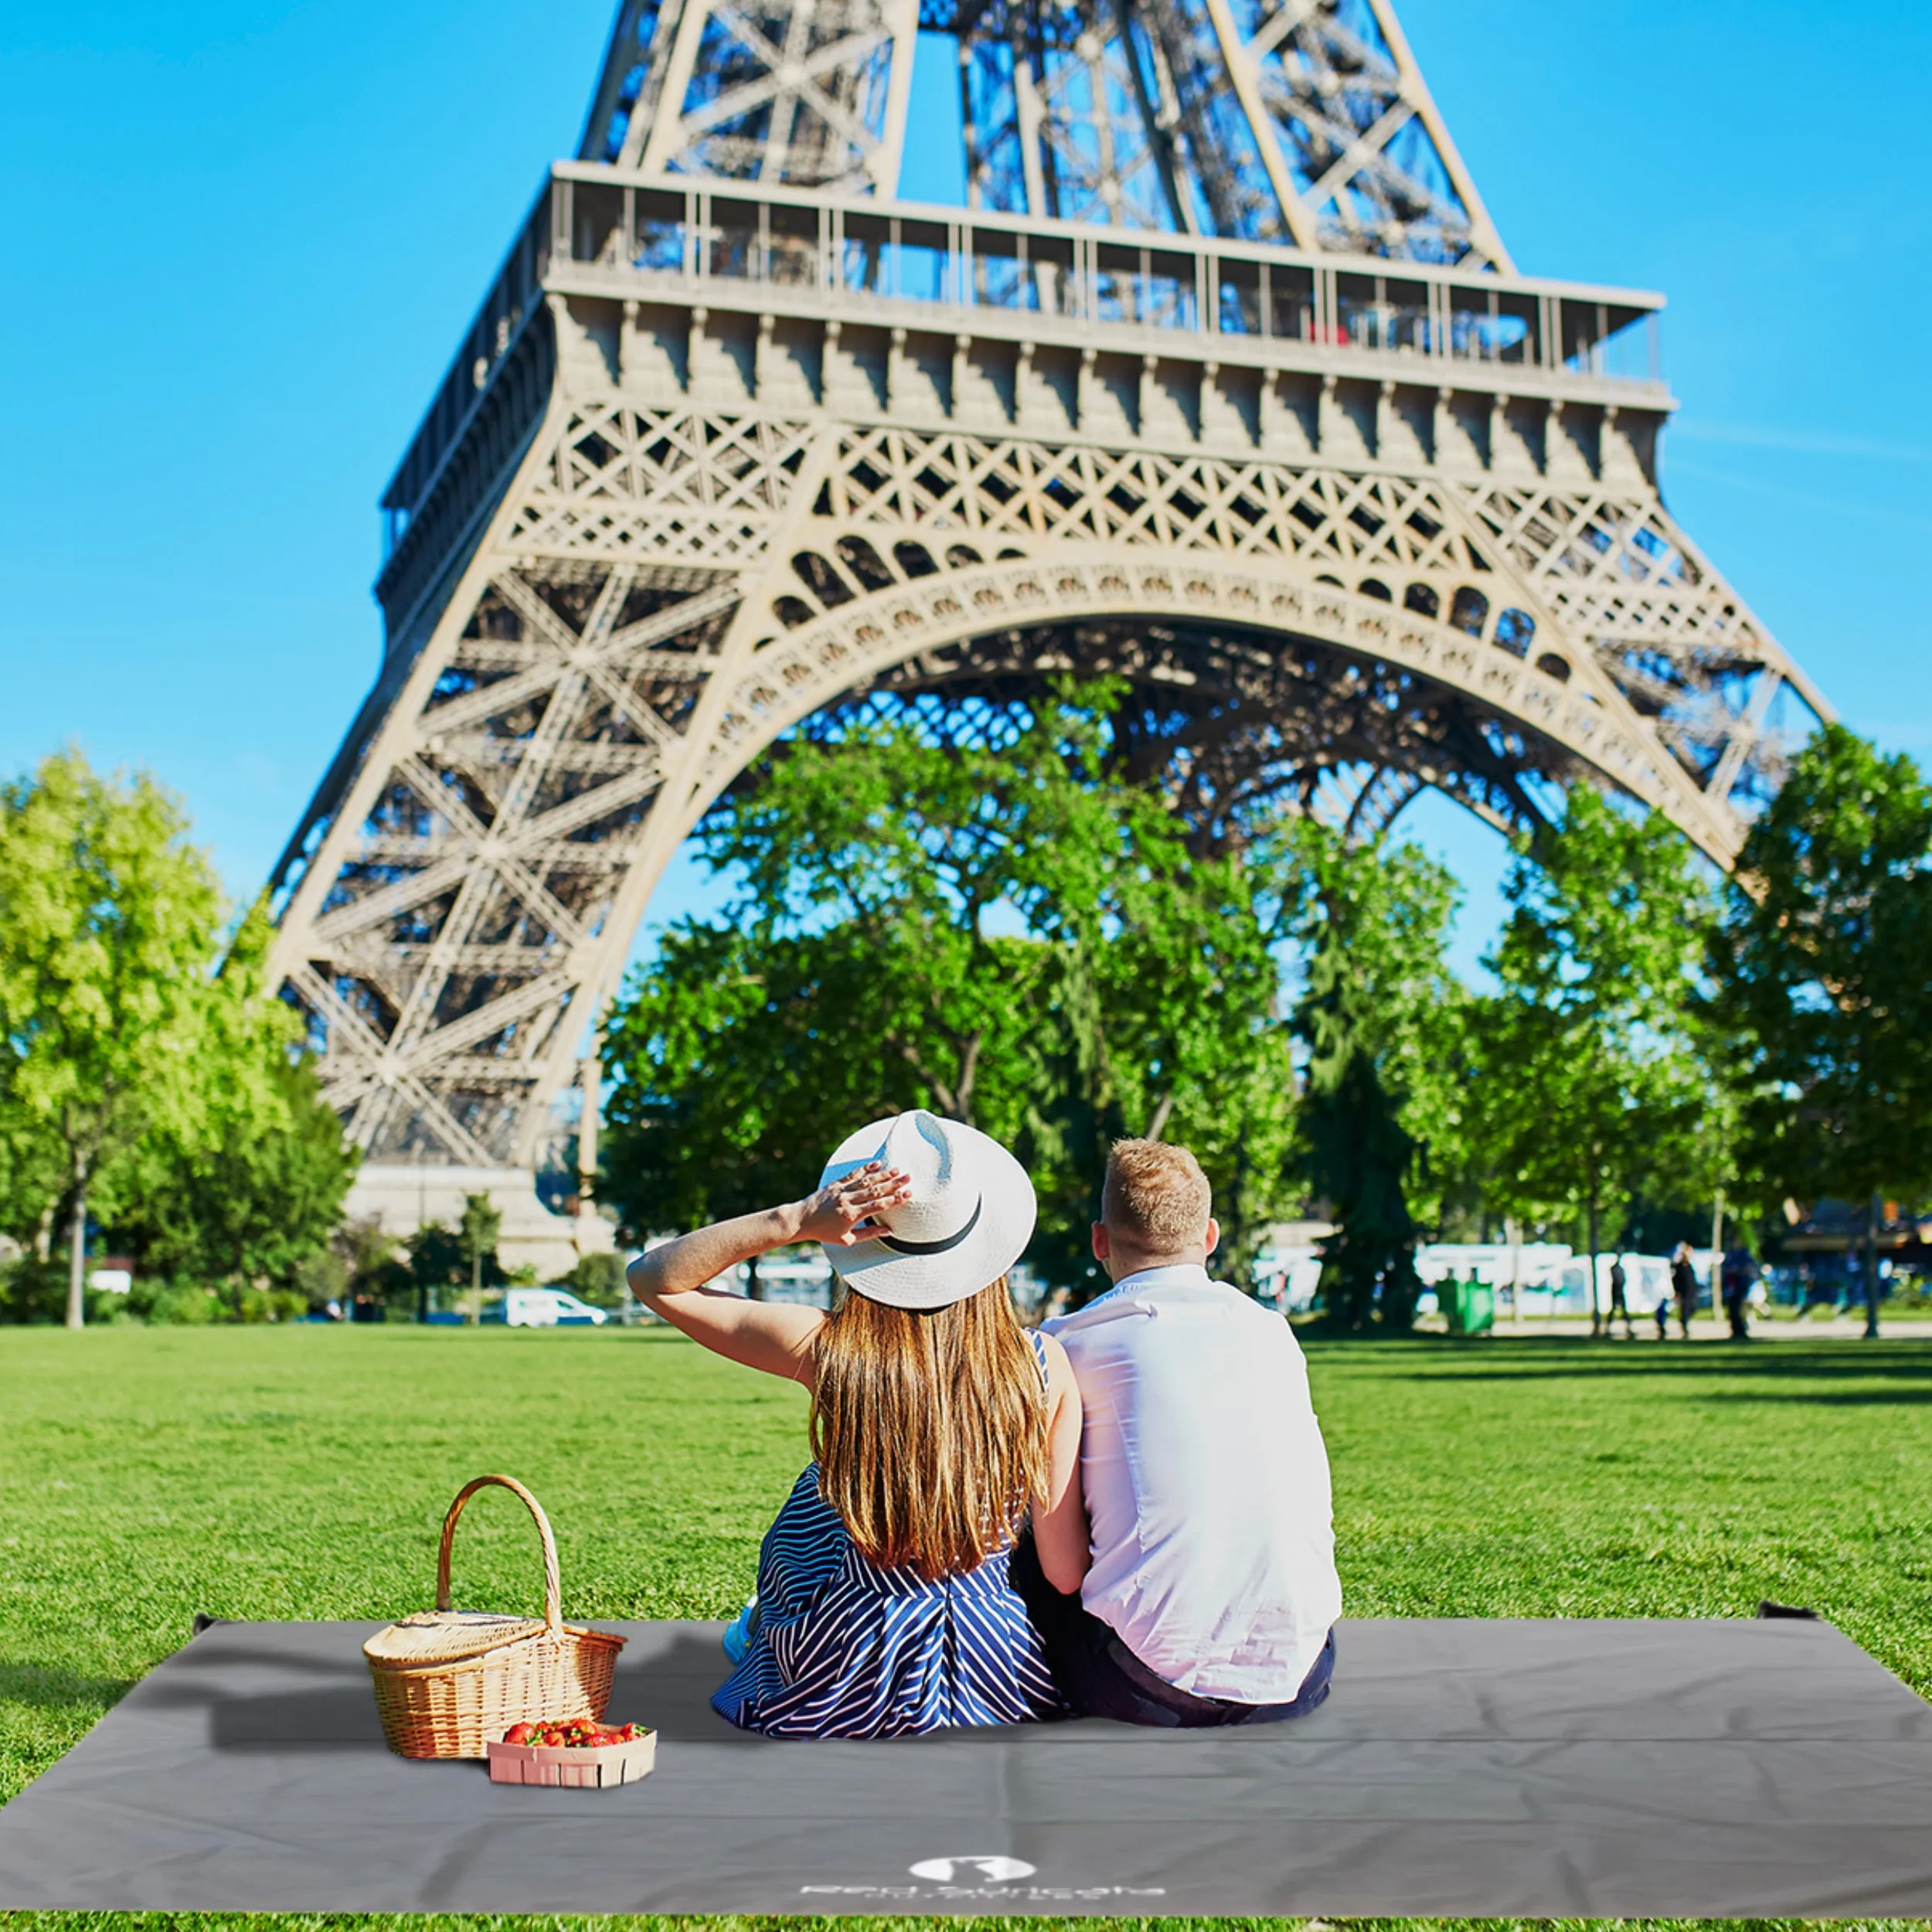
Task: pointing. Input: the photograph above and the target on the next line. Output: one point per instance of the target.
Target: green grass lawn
(303, 1472)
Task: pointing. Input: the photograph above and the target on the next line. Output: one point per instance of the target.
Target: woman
(938, 1424)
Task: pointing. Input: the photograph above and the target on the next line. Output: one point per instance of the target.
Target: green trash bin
(1471, 1308)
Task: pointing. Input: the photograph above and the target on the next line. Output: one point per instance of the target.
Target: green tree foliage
(442, 1258)
(246, 1202)
(105, 918)
(248, 1213)
(378, 1276)
(139, 1085)
(723, 1076)
(1013, 937)
(1592, 1081)
(437, 1262)
(598, 1279)
(1381, 1018)
(1823, 966)
(476, 1235)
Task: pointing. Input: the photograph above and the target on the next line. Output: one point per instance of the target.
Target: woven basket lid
(446, 1636)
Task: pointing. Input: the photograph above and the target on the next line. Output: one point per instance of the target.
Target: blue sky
(245, 239)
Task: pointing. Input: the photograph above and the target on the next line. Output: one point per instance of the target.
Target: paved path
(1845, 1327)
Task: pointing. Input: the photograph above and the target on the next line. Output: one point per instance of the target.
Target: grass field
(303, 1472)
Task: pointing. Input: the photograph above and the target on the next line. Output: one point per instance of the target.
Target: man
(1619, 1280)
(1683, 1282)
(1212, 1592)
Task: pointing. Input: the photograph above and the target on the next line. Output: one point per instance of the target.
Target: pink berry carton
(596, 1767)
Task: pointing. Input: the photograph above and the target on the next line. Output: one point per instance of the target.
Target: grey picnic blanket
(1461, 1768)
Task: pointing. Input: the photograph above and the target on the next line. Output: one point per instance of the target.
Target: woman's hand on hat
(841, 1213)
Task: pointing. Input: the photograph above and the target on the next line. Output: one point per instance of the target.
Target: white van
(544, 1308)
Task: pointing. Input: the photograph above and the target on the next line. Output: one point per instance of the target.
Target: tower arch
(1250, 409)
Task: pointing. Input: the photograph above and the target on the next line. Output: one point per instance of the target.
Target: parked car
(544, 1308)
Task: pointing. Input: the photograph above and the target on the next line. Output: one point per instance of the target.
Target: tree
(1013, 936)
(436, 1260)
(1823, 965)
(249, 1196)
(376, 1274)
(1379, 1017)
(107, 926)
(476, 1233)
(245, 1213)
(149, 1078)
(598, 1278)
(1591, 1080)
(723, 1075)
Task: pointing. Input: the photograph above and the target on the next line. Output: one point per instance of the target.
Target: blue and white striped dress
(846, 1648)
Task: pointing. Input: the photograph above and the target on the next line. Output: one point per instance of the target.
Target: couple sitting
(1126, 1515)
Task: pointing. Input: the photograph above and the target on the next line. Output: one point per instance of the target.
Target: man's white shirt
(1206, 1482)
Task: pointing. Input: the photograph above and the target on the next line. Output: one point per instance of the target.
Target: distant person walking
(1683, 1282)
(1739, 1272)
(1666, 1296)
(1619, 1303)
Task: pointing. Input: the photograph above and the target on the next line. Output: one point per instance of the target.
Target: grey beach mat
(1617, 1770)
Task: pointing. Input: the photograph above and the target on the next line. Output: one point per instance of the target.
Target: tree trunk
(1872, 1267)
(476, 1284)
(1513, 1233)
(1717, 1259)
(1158, 1125)
(944, 1100)
(77, 1259)
(969, 1077)
(1590, 1272)
(753, 1290)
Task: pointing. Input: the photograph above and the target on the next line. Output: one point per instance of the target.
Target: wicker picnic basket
(448, 1682)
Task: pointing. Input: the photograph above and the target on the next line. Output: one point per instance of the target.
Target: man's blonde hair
(1156, 1196)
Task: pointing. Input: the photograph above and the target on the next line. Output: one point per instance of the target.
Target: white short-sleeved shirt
(1206, 1482)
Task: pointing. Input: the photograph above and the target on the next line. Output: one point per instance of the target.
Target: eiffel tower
(1220, 380)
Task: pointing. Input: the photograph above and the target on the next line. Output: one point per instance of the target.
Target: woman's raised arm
(774, 1337)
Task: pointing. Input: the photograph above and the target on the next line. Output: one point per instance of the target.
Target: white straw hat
(969, 1219)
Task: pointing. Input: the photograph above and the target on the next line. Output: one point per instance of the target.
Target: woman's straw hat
(969, 1219)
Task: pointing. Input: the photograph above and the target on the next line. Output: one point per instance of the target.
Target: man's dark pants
(1100, 1677)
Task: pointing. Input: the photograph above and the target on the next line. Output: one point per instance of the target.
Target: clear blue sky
(245, 238)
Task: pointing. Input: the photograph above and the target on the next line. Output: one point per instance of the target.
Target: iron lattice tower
(1220, 380)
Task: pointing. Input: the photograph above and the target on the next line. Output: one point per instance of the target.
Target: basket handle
(552, 1577)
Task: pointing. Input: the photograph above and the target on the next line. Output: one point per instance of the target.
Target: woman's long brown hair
(929, 1429)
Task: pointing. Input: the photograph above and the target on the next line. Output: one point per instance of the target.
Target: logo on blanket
(994, 1869)
(984, 1874)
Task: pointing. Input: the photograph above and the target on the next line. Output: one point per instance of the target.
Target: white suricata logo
(994, 1869)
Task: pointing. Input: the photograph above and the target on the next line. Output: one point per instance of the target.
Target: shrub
(31, 1291)
(597, 1279)
(252, 1304)
(174, 1305)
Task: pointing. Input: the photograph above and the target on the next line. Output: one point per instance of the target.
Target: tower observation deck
(1220, 380)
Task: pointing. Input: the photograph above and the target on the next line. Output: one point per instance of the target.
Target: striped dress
(843, 1647)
